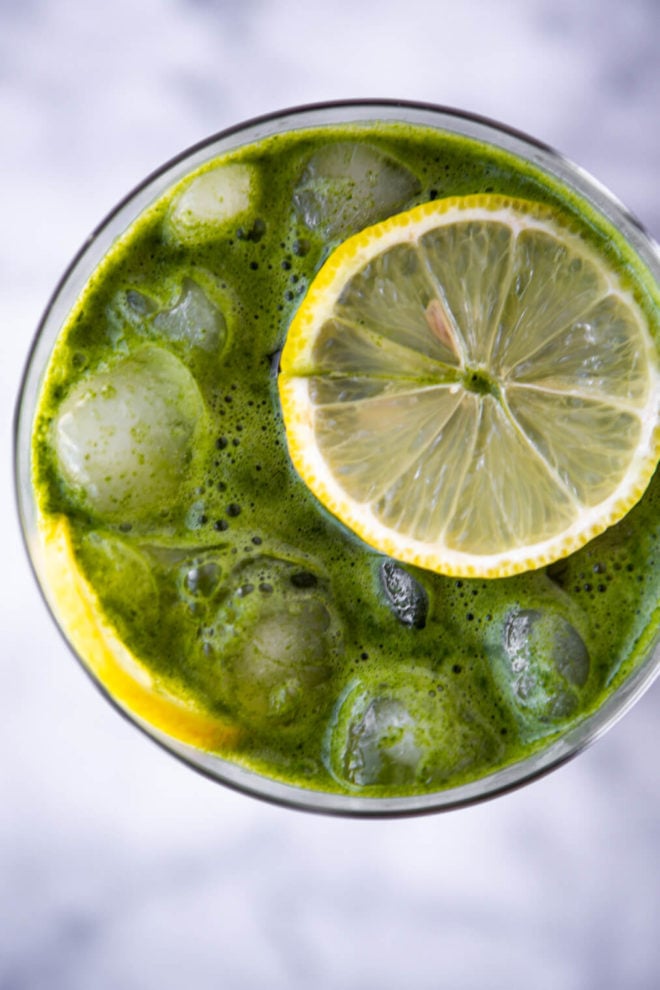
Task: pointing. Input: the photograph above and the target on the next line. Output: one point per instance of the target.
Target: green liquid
(341, 670)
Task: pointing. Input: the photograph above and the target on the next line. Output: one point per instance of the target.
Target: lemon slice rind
(150, 701)
(638, 397)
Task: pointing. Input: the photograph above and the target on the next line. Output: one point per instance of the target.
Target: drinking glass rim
(506, 779)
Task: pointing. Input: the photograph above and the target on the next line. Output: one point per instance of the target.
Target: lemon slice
(470, 387)
(129, 682)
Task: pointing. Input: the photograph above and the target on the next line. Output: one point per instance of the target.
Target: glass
(72, 284)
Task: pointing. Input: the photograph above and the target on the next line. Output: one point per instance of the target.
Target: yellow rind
(296, 365)
(129, 683)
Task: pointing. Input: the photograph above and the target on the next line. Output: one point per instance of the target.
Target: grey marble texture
(119, 868)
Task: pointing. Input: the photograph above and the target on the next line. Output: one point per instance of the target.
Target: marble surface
(119, 868)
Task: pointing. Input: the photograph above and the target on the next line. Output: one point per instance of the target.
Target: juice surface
(334, 667)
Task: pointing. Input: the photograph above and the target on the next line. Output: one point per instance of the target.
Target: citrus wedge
(470, 387)
(150, 701)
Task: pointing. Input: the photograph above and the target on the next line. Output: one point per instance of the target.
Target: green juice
(336, 669)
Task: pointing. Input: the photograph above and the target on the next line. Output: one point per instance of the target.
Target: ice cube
(405, 596)
(211, 200)
(193, 318)
(138, 306)
(543, 664)
(381, 746)
(273, 646)
(412, 730)
(191, 315)
(129, 308)
(125, 437)
(348, 185)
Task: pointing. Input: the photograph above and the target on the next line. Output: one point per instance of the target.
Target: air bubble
(304, 579)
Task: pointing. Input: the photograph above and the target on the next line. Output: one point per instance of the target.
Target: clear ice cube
(405, 596)
(543, 664)
(193, 318)
(381, 746)
(124, 438)
(211, 200)
(138, 305)
(348, 186)
(413, 730)
(191, 315)
(272, 647)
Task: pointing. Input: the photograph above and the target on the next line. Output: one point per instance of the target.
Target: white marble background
(121, 869)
